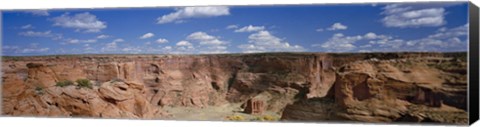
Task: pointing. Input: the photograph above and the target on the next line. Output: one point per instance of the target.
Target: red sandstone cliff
(138, 86)
(397, 90)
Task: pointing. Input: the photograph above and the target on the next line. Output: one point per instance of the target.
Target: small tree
(64, 83)
(84, 83)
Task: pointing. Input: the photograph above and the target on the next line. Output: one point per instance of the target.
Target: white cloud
(76, 41)
(251, 48)
(47, 34)
(103, 36)
(204, 39)
(33, 50)
(184, 43)
(337, 26)
(167, 47)
(264, 41)
(232, 27)
(112, 46)
(38, 12)
(250, 28)
(198, 42)
(162, 40)
(447, 40)
(28, 26)
(453, 39)
(333, 27)
(37, 33)
(339, 43)
(119, 40)
(132, 50)
(182, 47)
(90, 41)
(214, 50)
(193, 12)
(443, 29)
(89, 50)
(449, 33)
(398, 15)
(208, 43)
(370, 35)
(147, 35)
(85, 22)
(8, 47)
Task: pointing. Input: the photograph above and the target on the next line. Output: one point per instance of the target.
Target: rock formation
(254, 106)
(405, 90)
(377, 87)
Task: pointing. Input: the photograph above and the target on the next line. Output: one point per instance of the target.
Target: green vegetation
(235, 118)
(39, 90)
(257, 118)
(64, 83)
(84, 83)
(265, 118)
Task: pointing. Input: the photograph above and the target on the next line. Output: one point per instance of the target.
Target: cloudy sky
(439, 27)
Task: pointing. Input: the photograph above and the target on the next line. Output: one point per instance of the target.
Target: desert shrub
(64, 83)
(257, 119)
(269, 118)
(235, 118)
(265, 118)
(84, 83)
(39, 90)
(116, 80)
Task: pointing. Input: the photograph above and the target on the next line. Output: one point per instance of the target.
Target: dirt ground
(217, 113)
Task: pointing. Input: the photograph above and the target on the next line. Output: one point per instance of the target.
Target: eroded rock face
(196, 81)
(414, 87)
(109, 100)
(388, 91)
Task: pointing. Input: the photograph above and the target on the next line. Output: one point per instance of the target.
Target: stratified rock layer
(396, 90)
(300, 86)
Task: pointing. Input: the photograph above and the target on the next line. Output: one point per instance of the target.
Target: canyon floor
(216, 113)
(297, 87)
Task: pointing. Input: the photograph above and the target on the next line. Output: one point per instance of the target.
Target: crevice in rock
(122, 88)
(110, 100)
(215, 86)
(231, 80)
(84, 101)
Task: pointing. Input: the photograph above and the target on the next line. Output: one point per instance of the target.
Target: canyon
(313, 87)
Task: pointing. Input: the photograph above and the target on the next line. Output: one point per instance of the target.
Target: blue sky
(438, 27)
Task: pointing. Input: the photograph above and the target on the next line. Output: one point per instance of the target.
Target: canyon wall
(138, 86)
(172, 80)
(403, 89)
